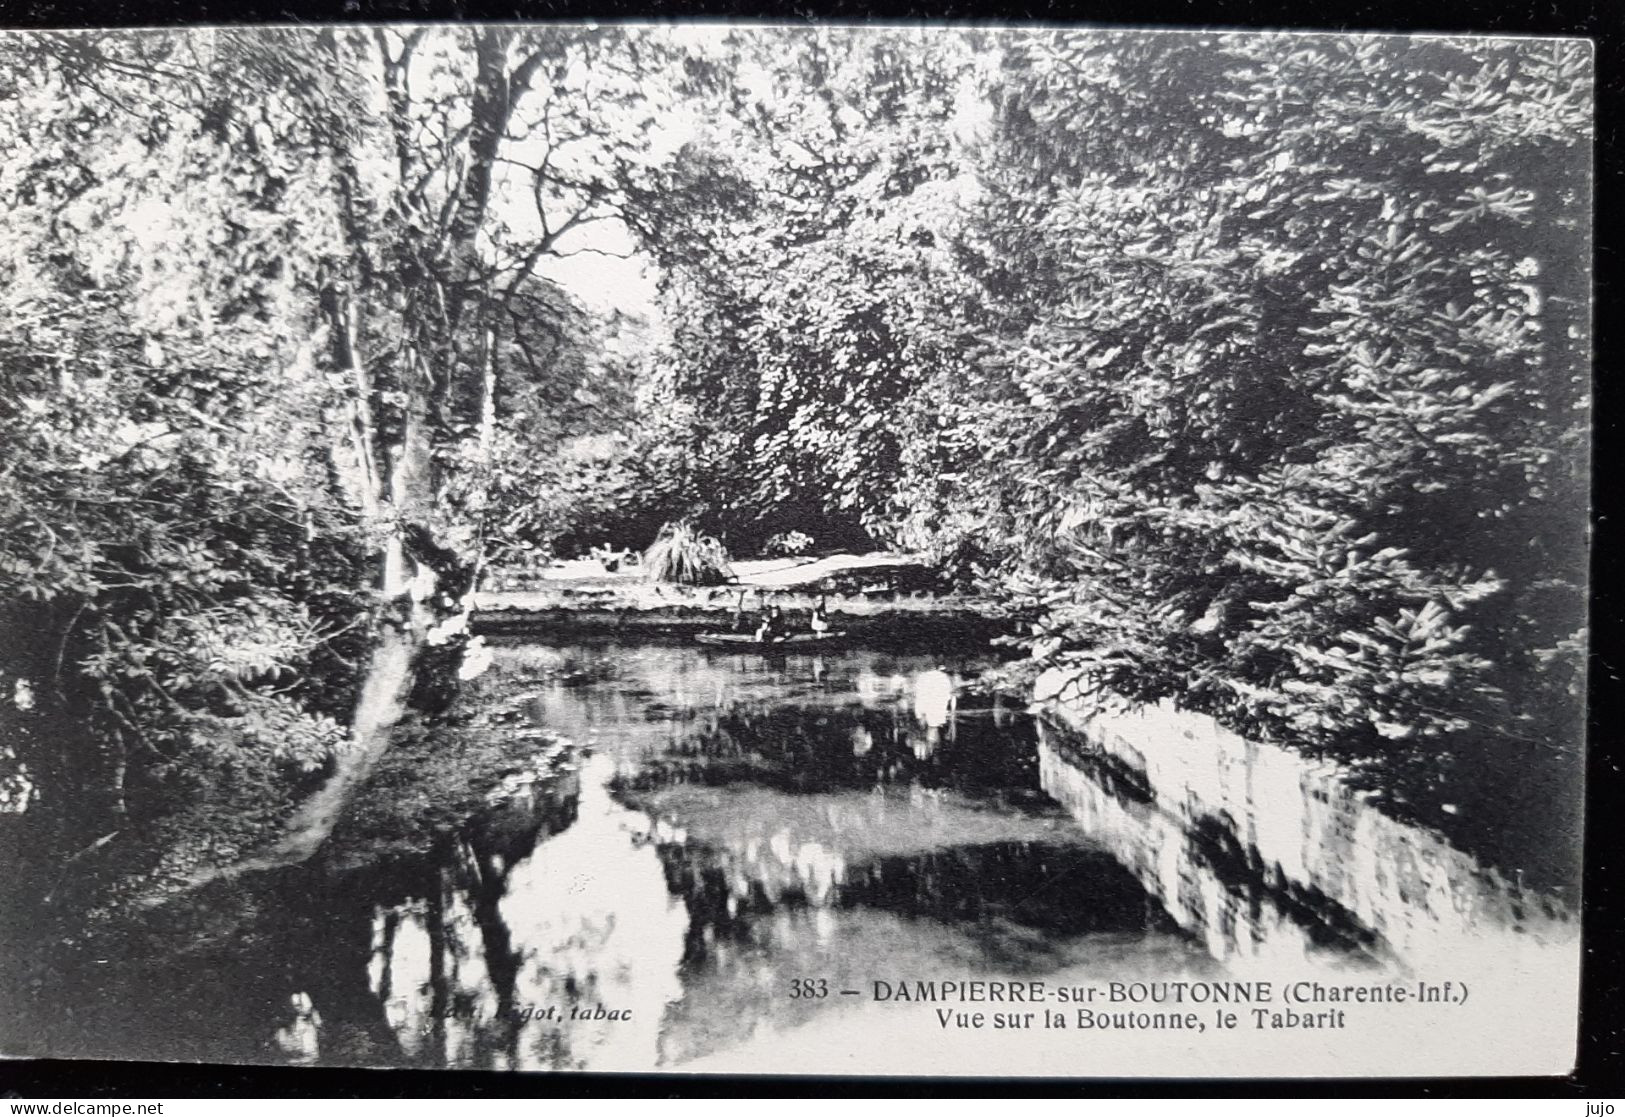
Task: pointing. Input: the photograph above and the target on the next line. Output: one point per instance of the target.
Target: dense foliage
(819, 304)
(1247, 370)
(272, 326)
(1250, 370)
(180, 581)
(1290, 375)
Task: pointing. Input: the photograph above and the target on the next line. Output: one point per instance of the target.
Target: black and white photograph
(708, 548)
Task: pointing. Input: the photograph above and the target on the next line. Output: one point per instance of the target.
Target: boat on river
(749, 640)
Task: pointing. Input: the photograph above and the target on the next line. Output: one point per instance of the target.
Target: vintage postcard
(735, 549)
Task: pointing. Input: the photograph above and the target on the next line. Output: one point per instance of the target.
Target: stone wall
(1257, 847)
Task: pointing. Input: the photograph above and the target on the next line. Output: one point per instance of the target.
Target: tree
(805, 299)
(272, 281)
(1273, 378)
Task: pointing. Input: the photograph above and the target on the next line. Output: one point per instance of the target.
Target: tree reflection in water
(724, 825)
(444, 964)
(723, 841)
(552, 904)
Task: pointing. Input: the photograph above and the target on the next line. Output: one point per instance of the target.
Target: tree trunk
(427, 581)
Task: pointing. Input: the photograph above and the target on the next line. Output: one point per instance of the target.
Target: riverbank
(872, 609)
(842, 573)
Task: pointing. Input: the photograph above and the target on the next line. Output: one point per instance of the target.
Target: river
(722, 861)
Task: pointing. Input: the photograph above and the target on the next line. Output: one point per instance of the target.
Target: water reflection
(1205, 886)
(300, 1040)
(738, 822)
(550, 926)
(726, 824)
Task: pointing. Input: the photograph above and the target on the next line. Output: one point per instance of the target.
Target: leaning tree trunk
(448, 391)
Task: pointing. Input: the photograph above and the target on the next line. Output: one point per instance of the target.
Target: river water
(727, 861)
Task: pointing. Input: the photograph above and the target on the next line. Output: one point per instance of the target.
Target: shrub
(681, 554)
(788, 544)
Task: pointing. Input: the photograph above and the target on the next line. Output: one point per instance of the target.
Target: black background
(1601, 1068)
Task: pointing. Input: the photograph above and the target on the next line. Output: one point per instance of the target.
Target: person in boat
(819, 621)
(741, 621)
(771, 630)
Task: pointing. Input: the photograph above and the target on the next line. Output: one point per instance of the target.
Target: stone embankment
(1255, 847)
(875, 598)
